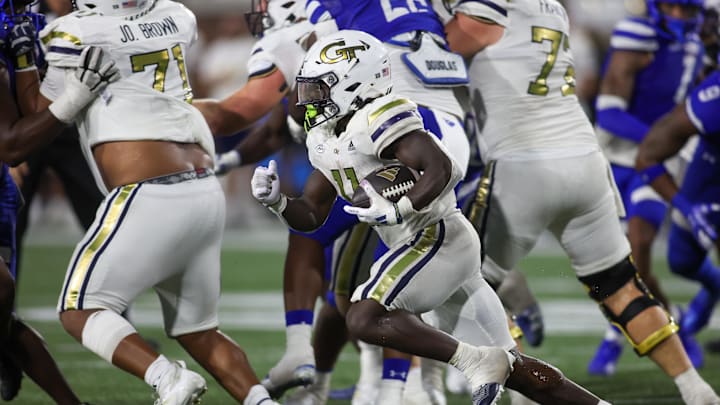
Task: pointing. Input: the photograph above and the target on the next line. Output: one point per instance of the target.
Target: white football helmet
(119, 8)
(340, 73)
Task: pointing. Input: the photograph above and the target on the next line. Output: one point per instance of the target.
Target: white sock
(391, 392)
(298, 336)
(688, 379)
(690, 385)
(257, 394)
(322, 381)
(432, 373)
(370, 364)
(156, 370)
(414, 378)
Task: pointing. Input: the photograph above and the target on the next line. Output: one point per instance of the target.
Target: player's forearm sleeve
(612, 117)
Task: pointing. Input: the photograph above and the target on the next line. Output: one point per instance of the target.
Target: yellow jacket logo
(334, 52)
(389, 174)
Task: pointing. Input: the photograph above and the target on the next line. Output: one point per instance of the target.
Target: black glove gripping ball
(391, 182)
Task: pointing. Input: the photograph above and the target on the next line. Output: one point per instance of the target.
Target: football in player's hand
(391, 182)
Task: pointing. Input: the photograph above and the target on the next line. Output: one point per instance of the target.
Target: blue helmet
(14, 11)
(676, 28)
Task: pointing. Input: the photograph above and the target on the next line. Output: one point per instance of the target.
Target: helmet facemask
(271, 15)
(258, 19)
(677, 28)
(315, 94)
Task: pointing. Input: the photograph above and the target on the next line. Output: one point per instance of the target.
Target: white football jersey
(525, 83)
(281, 49)
(152, 100)
(347, 158)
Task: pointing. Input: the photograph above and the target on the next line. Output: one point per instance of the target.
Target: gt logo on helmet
(347, 53)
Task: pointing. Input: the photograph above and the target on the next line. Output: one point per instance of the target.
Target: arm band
(621, 124)
(681, 203)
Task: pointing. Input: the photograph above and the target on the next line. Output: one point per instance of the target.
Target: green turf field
(636, 382)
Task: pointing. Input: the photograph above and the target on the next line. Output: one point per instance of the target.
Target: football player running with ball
(356, 127)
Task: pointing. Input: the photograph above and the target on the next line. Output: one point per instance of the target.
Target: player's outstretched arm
(616, 90)
(306, 213)
(245, 106)
(20, 136)
(664, 139)
(263, 141)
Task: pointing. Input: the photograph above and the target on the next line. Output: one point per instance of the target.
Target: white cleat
(293, 370)
(487, 394)
(492, 367)
(180, 386)
(307, 396)
(365, 394)
(417, 392)
(456, 382)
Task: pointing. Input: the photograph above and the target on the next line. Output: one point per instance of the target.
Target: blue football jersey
(664, 83)
(382, 18)
(702, 107)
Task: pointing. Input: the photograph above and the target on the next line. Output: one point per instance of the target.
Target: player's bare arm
(620, 77)
(309, 211)
(666, 137)
(267, 138)
(20, 136)
(247, 105)
(419, 151)
(469, 35)
(27, 89)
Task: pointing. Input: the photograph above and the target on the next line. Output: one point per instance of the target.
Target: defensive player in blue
(652, 62)
(19, 136)
(695, 232)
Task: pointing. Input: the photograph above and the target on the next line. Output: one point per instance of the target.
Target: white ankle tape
(103, 332)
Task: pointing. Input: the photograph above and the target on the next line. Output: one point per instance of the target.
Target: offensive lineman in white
(546, 171)
(357, 126)
(161, 222)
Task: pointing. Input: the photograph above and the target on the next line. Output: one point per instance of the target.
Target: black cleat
(713, 346)
(10, 378)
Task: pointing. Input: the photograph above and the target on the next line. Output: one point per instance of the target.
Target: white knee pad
(103, 332)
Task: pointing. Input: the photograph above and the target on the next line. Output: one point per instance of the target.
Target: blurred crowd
(217, 64)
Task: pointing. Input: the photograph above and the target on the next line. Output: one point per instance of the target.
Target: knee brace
(605, 283)
(103, 332)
